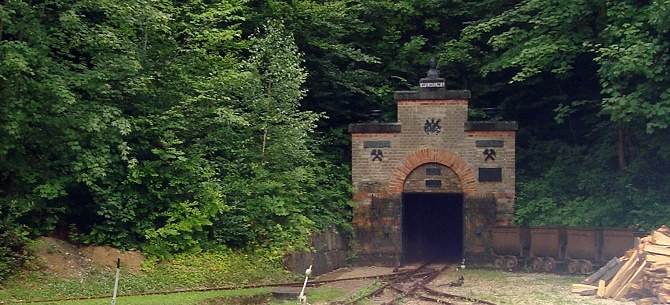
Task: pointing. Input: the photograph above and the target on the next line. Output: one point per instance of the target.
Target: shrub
(14, 252)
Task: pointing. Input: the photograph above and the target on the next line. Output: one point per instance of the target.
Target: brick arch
(431, 155)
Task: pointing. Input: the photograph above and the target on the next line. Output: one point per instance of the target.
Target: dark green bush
(14, 252)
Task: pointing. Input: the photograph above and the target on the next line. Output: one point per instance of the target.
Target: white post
(302, 298)
(116, 280)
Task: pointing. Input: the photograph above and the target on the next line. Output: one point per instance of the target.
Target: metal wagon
(547, 247)
(583, 249)
(616, 241)
(510, 245)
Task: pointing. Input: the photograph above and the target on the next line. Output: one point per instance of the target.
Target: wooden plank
(655, 273)
(663, 229)
(593, 278)
(659, 266)
(646, 301)
(633, 279)
(601, 288)
(612, 272)
(664, 297)
(636, 243)
(622, 276)
(583, 289)
(649, 285)
(660, 238)
(657, 249)
(658, 258)
(665, 287)
(637, 286)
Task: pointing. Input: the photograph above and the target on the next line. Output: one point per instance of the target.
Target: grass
(321, 294)
(234, 269)
(204, 270)
(195, 271)
(504, 288)
(185, 298)
(239, 296)
(365, 291)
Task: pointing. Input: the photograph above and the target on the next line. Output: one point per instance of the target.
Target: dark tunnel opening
(432, 227)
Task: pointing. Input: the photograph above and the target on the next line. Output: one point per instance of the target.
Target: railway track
(313, 283)
(412, 287)
(398, 288)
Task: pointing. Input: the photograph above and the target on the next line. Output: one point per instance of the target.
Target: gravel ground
(503, 288)
(518, 288)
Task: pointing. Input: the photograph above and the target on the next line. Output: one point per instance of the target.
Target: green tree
(594, 66)
(158, 125)
(67, 72)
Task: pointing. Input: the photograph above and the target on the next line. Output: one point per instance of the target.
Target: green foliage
(223, 268)
(14, 253)
(595, 68)
(178, 127)
(158, 125)
(536, 36)
(625, 40)
(631, 57)
(595, 193)
(210, 269)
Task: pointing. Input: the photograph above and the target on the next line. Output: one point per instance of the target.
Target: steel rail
(394, 280)
(406, 275)
(429, 277)
(449, 295)
(413, 290)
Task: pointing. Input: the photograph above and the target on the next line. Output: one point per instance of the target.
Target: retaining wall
(330, 253)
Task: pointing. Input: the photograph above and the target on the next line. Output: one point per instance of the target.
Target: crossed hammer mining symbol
(490, 154)
(377, 154)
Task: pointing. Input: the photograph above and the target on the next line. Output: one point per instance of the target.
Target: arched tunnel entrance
(433, 182)
(432, 227)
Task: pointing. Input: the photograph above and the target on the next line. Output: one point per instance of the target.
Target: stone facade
(432, 148)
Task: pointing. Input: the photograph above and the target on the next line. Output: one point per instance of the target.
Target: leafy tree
(157, 125)
(67, 71)
(594, 66)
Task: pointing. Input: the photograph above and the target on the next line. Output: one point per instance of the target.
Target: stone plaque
(489, 143)
(490, 174)
(433, 171)
(376, 144)
(434, 183)
(431, 84)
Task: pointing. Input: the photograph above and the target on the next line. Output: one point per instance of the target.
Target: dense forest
(177, 126)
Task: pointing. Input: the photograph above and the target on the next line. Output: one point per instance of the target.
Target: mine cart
(547, 248)
(583, 249)
(510, 245)
(616, 241)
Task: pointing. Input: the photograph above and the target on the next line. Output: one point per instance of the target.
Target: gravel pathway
(503, 288)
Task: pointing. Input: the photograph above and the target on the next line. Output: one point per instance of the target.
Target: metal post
(302, 298)
(116, 280)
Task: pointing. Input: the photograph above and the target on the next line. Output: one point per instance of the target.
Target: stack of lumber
(642, 274)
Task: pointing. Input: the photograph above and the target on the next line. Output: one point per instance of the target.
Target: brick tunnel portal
(433, 182)
(432, 227)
